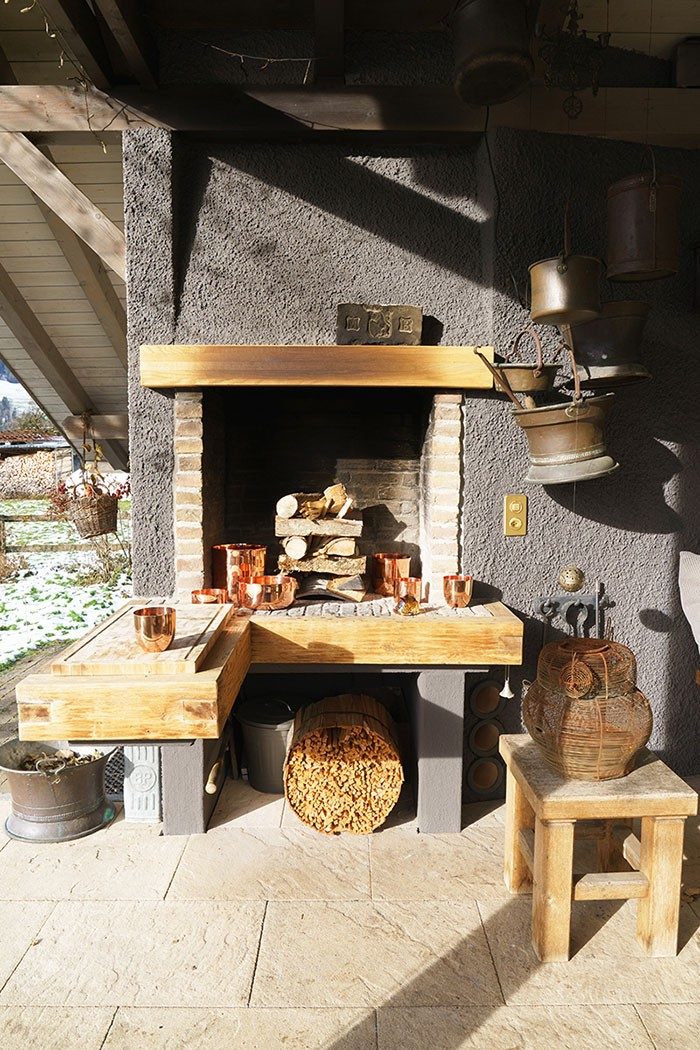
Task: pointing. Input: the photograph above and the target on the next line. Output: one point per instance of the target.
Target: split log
(338, 546)
(295, 546)
(328, 566)
(313, 505)
(343, 768)
(290, 505)
(324, 527)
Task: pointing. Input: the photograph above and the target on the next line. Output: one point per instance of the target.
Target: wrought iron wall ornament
(573, 59)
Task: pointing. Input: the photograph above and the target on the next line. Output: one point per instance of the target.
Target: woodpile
(318, 534)
(343, 769)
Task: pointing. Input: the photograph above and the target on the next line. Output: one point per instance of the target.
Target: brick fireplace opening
(399, 453)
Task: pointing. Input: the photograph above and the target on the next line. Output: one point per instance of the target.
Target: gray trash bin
(265, 724)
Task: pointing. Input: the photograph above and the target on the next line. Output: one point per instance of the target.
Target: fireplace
(397, 451)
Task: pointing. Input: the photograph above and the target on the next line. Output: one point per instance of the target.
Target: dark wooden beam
(132, 36)
(329, 40)
(78, 31)
(406, 16)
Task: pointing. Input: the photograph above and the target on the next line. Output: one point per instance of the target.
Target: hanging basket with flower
(87, 499)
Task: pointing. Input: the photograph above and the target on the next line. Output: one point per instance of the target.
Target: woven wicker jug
(585, 712)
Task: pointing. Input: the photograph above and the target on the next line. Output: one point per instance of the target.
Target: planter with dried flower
(88, 500)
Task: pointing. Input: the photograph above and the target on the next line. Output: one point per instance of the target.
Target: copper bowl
(412, 585)
(209, 596)
(233, 561)
(267, 592)
(155, 627)
(458, 591)
(386, 569)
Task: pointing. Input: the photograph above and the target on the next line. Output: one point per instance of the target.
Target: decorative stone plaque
(379, 325)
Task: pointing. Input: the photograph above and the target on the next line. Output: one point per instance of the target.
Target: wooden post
(519, 815)
(552, 885)
(661, 859)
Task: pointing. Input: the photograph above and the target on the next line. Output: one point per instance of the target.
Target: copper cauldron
(644, 226)
(526, 378)
(567, 442)
(607, 349)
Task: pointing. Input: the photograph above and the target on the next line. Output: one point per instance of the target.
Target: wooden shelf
(438, 367)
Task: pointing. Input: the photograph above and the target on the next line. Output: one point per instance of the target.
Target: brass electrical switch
(514, 515)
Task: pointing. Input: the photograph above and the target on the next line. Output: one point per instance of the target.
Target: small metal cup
(386, 569)
(155, 627)
(412, 585)
(458, 591)
(209, 596)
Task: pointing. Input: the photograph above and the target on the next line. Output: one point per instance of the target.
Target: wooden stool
(541, 811)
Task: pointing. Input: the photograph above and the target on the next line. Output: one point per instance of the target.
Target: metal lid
(264, 712)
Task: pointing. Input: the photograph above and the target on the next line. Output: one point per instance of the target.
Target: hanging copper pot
(522, 377)
(565, 290)
(607, 350)
(644, 226)
(492, 50)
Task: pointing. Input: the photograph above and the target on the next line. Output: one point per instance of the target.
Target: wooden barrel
(343, 768)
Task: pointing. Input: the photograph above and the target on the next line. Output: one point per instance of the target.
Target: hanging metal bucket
(565, 290)
(526, 378)
(607, 350)
(567, 442)
(492, 51)
(644, 226)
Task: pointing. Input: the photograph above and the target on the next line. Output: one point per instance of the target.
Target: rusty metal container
(492, 50)
(567, 442)
(523, 377)
(644, 227)
(54, 807)
(607, 350)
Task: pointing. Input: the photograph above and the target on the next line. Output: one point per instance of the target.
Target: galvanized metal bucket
(565, 290)
(607, 350)
(567, 442)
(644, 226)
(492, 50)
(527, 378)
(54, 807)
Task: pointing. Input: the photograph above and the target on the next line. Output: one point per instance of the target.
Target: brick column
(187, 493)
(441, 491)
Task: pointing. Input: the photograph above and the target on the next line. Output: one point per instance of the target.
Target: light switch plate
(514, 514)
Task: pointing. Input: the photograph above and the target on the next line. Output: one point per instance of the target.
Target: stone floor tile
(29, 1027)
(370, 953)
(144, 953)
(240, 806)
(122, 862)
(674, 1027)
(249, 1029)
(607, 963)
(507, 1027)
(19, 925)
(272, 864)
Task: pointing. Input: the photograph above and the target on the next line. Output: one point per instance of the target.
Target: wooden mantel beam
(50, 184)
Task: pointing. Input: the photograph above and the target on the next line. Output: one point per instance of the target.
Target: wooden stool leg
(519, 815)
(551, 891)
(661, 860)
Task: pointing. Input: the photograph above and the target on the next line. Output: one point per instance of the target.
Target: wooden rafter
(329, 39)
(133, 38)
(104, 428)
(78, 31)
(35, 340)
(379, 15)
(78, 212)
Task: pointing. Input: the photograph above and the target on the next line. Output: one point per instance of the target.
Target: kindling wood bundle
(343, 769)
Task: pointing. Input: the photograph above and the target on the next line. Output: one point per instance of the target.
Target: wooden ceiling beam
(406, 16)
(132, 36)
(68, 202)
(78, 31)
(35, 340)
(329, 39)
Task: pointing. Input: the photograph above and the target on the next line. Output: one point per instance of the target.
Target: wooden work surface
(181, 707)
(168, 367)
(652, 789)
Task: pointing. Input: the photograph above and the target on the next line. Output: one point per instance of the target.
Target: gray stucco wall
(270, 238)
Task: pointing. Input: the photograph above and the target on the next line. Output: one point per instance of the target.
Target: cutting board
(111, 648)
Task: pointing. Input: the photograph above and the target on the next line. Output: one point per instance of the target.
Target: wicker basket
(589, 722)
(94, 515)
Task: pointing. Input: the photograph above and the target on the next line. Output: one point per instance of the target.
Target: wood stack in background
(318, 533)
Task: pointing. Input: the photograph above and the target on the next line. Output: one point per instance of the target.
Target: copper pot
(607, 349)
(267, 592)
(525, 378)
(644, 226)
(386, 569)
(567, 442)
(231, 561)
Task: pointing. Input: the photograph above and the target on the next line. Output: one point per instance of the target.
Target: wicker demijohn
(94, 515)
(585, 712)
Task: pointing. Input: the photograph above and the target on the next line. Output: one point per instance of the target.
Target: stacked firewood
(343, 769)
(318, 533)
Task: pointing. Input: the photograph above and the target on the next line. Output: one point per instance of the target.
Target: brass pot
(492, 50)
(607, 349)
(644, 226)
(565, 290)
(523, 377)
(567, 442)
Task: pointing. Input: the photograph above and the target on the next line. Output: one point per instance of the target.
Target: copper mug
(155, 627)
(458, 591)
(231, 562)
(386, 569)
(209, 596)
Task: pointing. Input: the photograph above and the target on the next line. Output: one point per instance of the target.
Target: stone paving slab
(48, 1028)
(19, 926)
(674, 1027)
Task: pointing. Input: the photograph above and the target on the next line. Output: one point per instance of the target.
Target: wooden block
(551, 889)
(519, 818)
(611, 886)
(632, 851)
(336, 547)
(319, 563)
(348, 526)
(661, 861)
